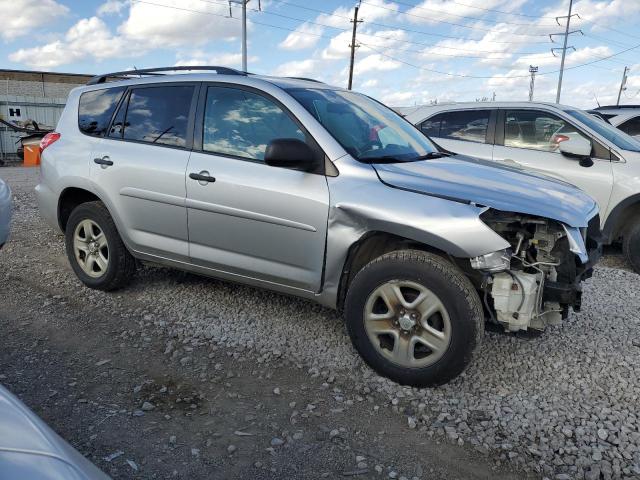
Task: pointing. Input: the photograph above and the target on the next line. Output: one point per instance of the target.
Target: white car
(624, 117)
(557, 140)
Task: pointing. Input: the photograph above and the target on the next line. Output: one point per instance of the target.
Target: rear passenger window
(96, 108)
(631, 127)
(470, 125)
(158, 115)
(240, 123)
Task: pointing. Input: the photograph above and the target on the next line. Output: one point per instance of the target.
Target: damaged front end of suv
(538, 279)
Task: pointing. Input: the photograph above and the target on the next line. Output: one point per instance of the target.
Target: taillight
(48, 139)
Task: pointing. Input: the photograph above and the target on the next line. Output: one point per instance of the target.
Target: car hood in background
(29, 449)
(486, 183)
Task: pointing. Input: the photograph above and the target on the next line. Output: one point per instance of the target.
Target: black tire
(121, 265)
(454, 290)
(631, 244)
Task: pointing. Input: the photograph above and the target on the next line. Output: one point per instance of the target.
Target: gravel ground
(560, 405)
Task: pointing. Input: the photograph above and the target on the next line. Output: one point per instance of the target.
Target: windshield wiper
(382, 159)
(432, 155)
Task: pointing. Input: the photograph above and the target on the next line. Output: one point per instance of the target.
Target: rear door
(468, 132)
(141, 163)
(249, 219)
(530, 138)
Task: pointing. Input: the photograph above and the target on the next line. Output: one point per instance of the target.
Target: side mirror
(575, 146)
(290, 153)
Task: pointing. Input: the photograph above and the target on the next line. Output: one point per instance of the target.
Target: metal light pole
(244, 35)
(533, 70)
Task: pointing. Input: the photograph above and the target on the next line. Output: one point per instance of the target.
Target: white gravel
(565, 404)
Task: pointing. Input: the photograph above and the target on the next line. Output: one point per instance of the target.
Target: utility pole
(533, 70)
(564, 46)
(353, 45)
(623, 83)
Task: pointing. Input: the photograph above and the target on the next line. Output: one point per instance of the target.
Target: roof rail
(305, 78)
(158, 71)
(606, 107)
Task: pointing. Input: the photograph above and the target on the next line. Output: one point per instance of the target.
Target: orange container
(31, 155)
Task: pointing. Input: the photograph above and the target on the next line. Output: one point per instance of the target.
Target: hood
(492, 185)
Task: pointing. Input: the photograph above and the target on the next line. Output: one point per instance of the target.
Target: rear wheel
(95, 250)
(631, 244)
(414, 317)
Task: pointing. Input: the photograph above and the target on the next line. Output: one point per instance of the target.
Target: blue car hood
(492, 185)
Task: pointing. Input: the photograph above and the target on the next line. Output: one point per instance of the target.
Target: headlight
(492, 262)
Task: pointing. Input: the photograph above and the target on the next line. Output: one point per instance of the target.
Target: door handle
(203, 177)
(104, 162)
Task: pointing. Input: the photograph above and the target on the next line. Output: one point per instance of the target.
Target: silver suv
(318, 192)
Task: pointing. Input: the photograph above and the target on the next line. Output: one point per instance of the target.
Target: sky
(409, 52)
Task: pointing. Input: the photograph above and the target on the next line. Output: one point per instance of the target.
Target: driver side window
(537, 130)
(240, 123)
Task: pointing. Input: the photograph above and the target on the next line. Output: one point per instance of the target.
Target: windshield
(611, 133)
(366, 129)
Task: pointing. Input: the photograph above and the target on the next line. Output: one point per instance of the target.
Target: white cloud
(112, 7)
(300, 68)
(88, 38)
(174, 25)
(21, 17)
(305, 36)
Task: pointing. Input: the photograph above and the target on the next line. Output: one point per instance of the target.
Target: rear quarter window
(96, 108)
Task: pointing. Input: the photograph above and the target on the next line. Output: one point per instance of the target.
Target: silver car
(315, 191)
(556, 140)
(5, 212)
(29, 449)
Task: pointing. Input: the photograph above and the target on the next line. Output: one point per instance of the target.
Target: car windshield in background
(611, 133)
(369, 131)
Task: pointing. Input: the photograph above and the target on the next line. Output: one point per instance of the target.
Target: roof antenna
(596, 97)
(136, 69)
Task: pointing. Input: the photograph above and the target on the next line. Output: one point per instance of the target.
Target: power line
(295, 30)
(460, 24)
(442, 12)
(461, 75)
(382, 25)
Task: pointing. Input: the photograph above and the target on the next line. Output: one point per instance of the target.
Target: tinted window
(242, 124)
(537, 130)
(96, 108)
(159, 115)
(470, 125)
(431, 127)
(631, 126)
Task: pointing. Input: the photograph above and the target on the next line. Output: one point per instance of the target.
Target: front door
(141, 166)
(531, 140)
(246, 218)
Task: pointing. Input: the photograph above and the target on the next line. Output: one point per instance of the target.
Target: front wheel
(95, 250)
(631, 244)
(414, 317)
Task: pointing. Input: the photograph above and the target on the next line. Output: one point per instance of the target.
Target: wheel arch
(69, 199)
(372, 245)
(617, 219)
